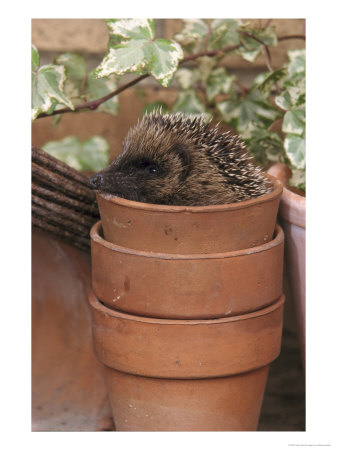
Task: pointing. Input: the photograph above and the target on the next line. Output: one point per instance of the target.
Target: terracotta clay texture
(190, 230)
(186, 286)
(214, 404)
(292, 216)
(186, 348)
(159, 356)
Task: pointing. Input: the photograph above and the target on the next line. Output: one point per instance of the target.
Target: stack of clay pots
(187, 311)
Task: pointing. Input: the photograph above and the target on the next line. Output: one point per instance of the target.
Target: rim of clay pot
(96, 235)
(95, 303)
(277, 191)
(293, 207)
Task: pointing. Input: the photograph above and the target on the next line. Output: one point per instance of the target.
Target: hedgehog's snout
(96, 181)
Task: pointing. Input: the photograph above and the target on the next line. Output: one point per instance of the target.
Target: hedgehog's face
(148, 170)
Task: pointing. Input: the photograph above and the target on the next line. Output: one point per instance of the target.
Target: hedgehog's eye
(148, 167)
(152, 169)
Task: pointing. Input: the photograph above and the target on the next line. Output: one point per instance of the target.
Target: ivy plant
(195, 59)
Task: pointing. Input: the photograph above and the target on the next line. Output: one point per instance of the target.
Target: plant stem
(291, 36)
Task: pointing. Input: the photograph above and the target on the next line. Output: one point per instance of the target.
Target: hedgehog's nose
(96, 181)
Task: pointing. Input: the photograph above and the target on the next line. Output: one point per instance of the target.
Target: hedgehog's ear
(185, 155)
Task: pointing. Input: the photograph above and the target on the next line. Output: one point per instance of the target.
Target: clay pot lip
(96, 236)
(293, 207)
(106, 311)
(276, 192)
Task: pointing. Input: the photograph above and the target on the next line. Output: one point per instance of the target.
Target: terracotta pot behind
(187, 229)
(292, 215)
(186, 286)
(186, 375)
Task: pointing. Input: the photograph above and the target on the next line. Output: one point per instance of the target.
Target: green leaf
(133, 49)
(189, 102)
(251, 47)
(294, 122)
(76, 67)
(66, 150)
(294, 146)
(218, 82)
(164, 59)
(186, 78)
(35, 59)
(94, 155)
(124, 29)
(265, 145)
(96, 88)
(192, 34)
(290, 98)
(298, 179)
(76, 70)
(48, 89)
(251, 108)
(296, 63)
(224, 32)
(283, 100)
(90, 155)
(270, 80)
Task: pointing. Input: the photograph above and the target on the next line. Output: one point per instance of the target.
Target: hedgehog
(178, 159)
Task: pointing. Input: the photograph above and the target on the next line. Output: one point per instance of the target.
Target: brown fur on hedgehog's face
(151, 168)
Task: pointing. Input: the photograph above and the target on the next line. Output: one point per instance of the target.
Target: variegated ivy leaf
(99, 87)
(189, 102)
(186, 78)
(192, 34)
(66, 150)
(224, 32)
(283, 100)
(47, 87)
(89, 155)
(218, 82)
(134, 49)
(269, 81)
(294, 146)
(296, 63)
(124, 29)
(294, 122)
(250, 108)
(298, 179)
(265, 145)
(94, 154)
(35, 58)
(292, 97)
(76, 69)
(251, 47)
(218, 32)
(164, 55)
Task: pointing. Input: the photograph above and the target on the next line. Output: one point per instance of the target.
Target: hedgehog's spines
(225, 151)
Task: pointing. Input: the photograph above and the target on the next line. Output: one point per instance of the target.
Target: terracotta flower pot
(186, 375)
(186, 286)
(187, 229)
(292, 218)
